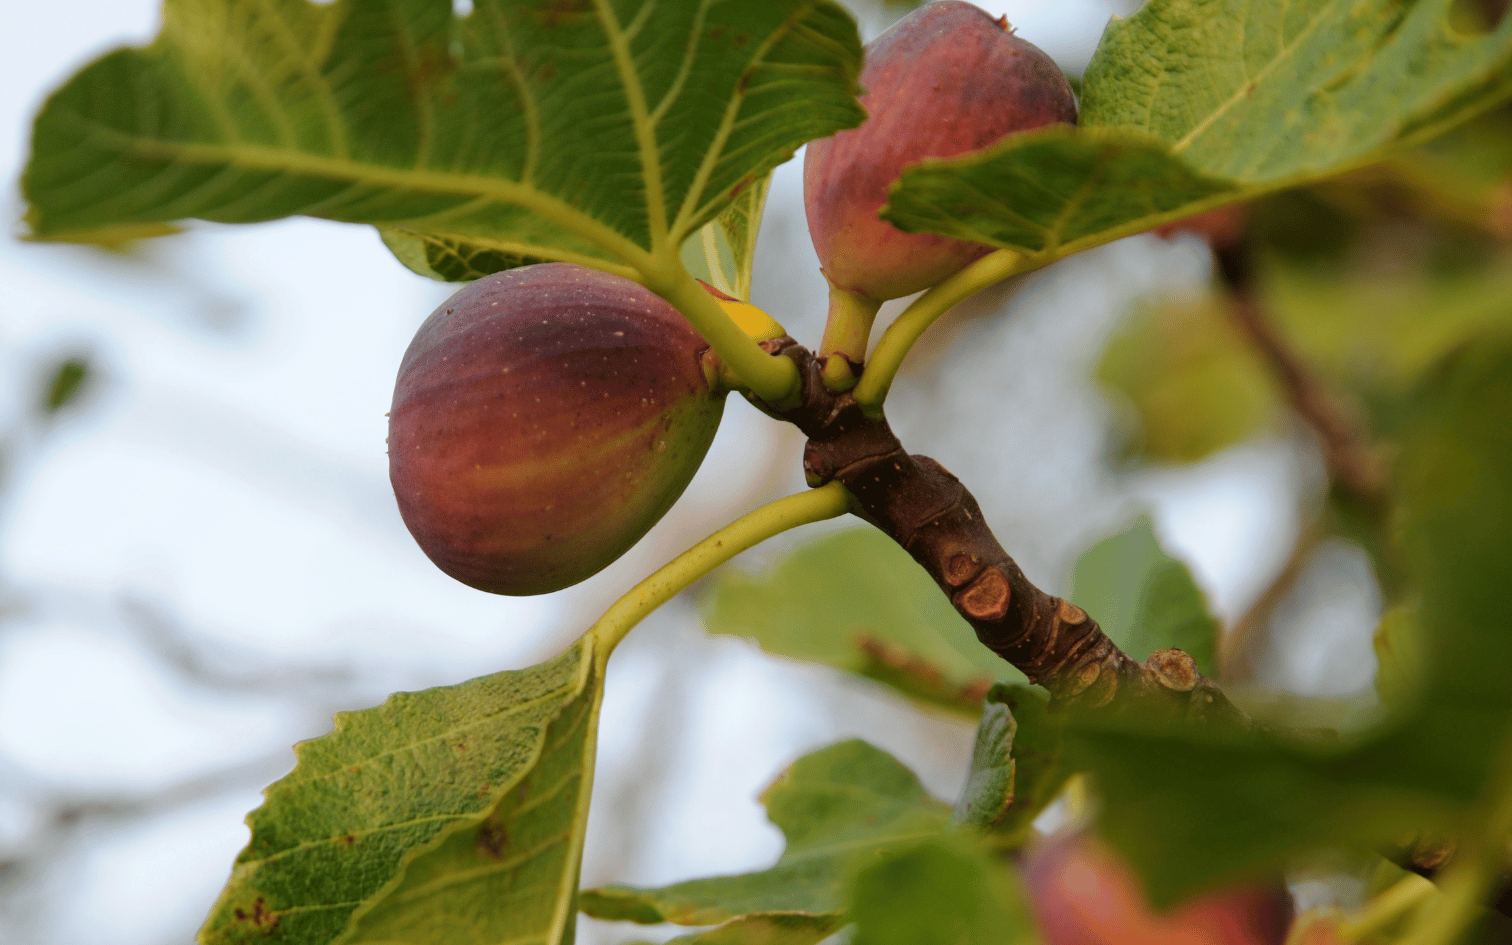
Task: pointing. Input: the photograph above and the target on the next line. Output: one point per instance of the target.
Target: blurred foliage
(66, 383)
(1188, 378)
(1144, 599)
(1235, 804)
(1373, 277)
(856, 601)
(940, 892)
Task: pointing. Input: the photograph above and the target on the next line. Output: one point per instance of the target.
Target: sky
(202, 560)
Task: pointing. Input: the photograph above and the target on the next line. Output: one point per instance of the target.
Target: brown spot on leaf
(260, 915)
(492, 841)
(348, 840)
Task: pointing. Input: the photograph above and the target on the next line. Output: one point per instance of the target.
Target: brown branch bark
(928, 512)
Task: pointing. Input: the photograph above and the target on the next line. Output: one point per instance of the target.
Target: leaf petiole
(773, 379)
(749, 530)
(901, 335)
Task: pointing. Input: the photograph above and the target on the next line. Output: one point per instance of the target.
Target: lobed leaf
(1189, 104)
(594, 131)
(450, 815)
(1144, 599)
(838, 808)
(856, 601)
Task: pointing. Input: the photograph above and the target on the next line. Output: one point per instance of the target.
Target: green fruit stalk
(543, 420)
(945, 80)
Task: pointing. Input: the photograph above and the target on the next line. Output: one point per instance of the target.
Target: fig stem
(773, 379)
(901, 335)
(848, 328)
(1390, 906)
(749, 530)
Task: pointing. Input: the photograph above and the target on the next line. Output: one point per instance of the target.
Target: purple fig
(544, 419)
(945, 80)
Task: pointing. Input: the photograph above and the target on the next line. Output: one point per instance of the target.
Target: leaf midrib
(262, 158)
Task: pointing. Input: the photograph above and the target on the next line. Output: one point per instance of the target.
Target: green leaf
(856, 601)
(723, 251)
(1055, 191)
(65, 385)
(1192, 384)
(1189, 104)
(452, 814)
(1144, 599)
(839, 807)
(988, 790)
(1231, 805)
(1016, 768)
(1194, 810)
(1453, 492)
(768, 928)
(1038, 770)
(1400, 656)
(596, 132)
(940, 892)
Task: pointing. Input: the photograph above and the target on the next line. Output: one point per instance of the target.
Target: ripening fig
(544, 419)
(1083, 894)
(945, 80)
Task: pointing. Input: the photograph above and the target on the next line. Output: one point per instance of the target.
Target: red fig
(945, 80)
(1083, 894)
(544, 419)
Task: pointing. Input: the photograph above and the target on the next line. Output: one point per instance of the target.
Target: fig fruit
(944, 80)
(543, 420)
(1082, 894)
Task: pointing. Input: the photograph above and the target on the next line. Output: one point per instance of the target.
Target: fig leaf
(597, 133)
(723, 251)
(1145, 599)
(452, 814)
(1236, 805)
(1190, 104)
(856, 601)
(940, 892)
(839, 808)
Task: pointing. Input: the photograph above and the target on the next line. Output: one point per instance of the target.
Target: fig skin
(1083, 894)
(944, 80)
(544, 419)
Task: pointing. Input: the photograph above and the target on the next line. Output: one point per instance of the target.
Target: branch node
(1173, 669)
(987, 597)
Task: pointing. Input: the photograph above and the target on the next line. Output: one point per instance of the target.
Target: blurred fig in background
(1083, 894)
